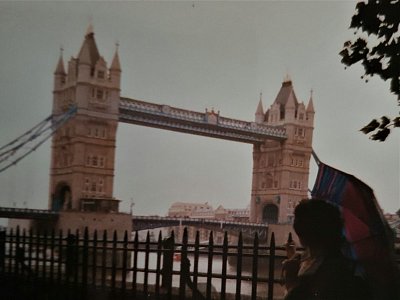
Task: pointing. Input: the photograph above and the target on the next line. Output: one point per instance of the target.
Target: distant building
(205, 211)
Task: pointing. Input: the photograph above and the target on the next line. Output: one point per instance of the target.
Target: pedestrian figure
(322, 272)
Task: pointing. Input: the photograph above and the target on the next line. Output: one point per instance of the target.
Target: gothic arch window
(94, 160)
(101, 161)
(270, 214)
(269, 181)
(87, 182)
(101, 74)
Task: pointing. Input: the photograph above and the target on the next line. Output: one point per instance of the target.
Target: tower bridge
(209, 124)
(83, 148)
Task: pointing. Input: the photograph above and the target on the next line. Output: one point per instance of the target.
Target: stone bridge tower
(83, 150)
(281, 169)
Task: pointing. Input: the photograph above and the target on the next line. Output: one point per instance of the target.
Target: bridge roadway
(209, 124)
(147, 222)
(151, 222)
(27, 213)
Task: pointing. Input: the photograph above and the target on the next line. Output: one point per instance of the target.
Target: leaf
(396, 122)
(384, 122)
(381, 135)
(374, 124)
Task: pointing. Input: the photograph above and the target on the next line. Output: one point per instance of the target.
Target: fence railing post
(168, 255)
(158, 266)
(271, 272)
(239, 266)
(185, 265)
(114, 262)
(135, 264)
(209, 266)
(224, 265)
(146, 266)
(254, 277)
(2, 251)
(70, 256)
(124, 261)
(85, 258)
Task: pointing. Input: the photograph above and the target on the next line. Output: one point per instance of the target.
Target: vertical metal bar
(94, 258)
(271, 267)
(158, 266)
(209, 267)
(18, 258)
(85, 258)
(224, 265)
(24, 249)
(254, 277)
(135, 259)
(239, 266)
(2, 251)
(60, 257)
(124, 261)
(10, 251)
(44, 254)
(168, 268)
(104, 260)
(146, 266)
(37, 251)
(52, 246)
(69, 253)
(196, 261)
(76, 258)
(114, 261)
(185, 268)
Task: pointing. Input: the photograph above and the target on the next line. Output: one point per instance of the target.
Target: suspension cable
(32, 139)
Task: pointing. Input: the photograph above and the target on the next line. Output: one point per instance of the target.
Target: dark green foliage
(379, 52)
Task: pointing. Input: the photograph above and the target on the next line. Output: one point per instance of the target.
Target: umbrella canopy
(369, 239)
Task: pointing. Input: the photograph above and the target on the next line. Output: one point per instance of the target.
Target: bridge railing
(198, 117)
(90, 265)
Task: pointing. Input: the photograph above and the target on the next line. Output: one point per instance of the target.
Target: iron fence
(85, 264)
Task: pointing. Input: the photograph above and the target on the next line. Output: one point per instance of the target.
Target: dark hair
(318, 223)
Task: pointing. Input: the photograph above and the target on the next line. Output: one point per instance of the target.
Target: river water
(262, 288)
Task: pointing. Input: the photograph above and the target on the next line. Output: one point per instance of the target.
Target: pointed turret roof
(115, 65)
(310, 106)
(89, 54)
(286, 94)
(60, 70)
(260, 109)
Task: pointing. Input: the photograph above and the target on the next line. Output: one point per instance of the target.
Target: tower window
(94, 161)
(99, 94)
(100, 74)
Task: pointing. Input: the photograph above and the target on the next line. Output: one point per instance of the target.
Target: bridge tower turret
(281, 168)
(83, 150)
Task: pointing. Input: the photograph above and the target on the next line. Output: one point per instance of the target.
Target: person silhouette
(322, 271)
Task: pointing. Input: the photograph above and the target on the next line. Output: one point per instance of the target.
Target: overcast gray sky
(210, 54)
